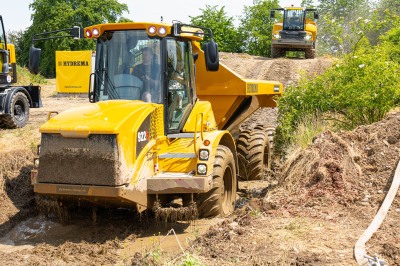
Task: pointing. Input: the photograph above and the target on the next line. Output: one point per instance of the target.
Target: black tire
(277, 52)
(220, 200)
(255, 148)
(18, 115)
(309, 53)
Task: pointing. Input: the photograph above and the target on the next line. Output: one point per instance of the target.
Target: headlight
(203, 155)
(95, 32)
(277, 36)
(162, 31)
(38, 149)
(276, 88)
(201, 169)
(307, 38)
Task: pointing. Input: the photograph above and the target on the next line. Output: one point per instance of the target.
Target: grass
(19, 139)
(26, 78)
(308, 129)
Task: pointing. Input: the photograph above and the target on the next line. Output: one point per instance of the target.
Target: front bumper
(292, 43)
(171, 183)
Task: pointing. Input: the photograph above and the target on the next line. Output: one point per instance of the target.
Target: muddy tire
(255, 148)
(277, 52)
(18, 114)
(309, 53)
(220, 200)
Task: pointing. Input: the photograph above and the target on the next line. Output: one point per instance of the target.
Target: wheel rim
(226, 193)
(19, 110)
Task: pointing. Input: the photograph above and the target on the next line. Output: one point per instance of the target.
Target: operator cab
(146, 62)
(134, 66)
(151, 64)
(294, 20)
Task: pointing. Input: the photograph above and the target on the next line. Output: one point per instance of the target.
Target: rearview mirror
(272, 14)
(316, 16)
(77, 33)
(34, 58)
(211, 56)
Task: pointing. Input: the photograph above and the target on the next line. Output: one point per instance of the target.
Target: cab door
(180, 83)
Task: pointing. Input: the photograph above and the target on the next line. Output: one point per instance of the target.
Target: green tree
(358, 89)
(335, 26)
(387, 13)
(224, 32)
(256, 27)
(49, 15)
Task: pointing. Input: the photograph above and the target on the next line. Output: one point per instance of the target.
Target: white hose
(359, 248)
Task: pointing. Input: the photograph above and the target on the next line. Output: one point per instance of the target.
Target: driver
(149, 72)
(295, 20)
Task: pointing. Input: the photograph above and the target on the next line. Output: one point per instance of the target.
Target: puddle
(170, 242)
(33, 231)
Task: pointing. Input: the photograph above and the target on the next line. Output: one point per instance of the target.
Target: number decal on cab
(143, 136)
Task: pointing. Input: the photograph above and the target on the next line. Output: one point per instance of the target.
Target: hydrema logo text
(73, 63)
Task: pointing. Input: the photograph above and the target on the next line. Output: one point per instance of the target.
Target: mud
(91, 161)
(312, 213)
(172, 214)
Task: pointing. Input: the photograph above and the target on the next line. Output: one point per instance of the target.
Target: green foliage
(49, 15)
(358, 89)
(224, 32)
(191, 260)
(307, 129)
(334, 26)
(256, 27)
(26, 78)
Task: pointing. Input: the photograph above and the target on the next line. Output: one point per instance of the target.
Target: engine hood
(97, 118)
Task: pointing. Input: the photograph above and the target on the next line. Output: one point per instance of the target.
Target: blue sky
(16, 13)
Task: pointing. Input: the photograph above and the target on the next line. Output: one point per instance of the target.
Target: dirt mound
(326, 197)
(327, 171)
(348, 166)
(342, 173)
(285, 70)
(16, 194)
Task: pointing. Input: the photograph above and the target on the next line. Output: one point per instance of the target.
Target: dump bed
(233, 98)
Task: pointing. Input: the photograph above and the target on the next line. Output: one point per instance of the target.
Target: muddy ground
(325, 197)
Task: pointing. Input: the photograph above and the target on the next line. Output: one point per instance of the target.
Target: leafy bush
(358, 89)
(26, 78)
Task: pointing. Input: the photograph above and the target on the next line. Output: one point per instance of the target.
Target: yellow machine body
(120, 152)
(294, 32)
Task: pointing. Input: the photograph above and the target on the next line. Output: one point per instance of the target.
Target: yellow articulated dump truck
(161, 127)
(294, 32)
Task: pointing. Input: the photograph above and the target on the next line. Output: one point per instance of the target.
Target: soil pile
(16, 194)
(347, 171)
(326, 197)
(285, 70)
(353, 167)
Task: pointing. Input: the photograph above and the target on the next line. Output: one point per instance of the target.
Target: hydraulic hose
(359, 249)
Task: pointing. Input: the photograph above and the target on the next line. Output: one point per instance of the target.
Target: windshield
(128, 67)
(293, 20)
